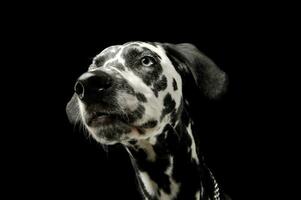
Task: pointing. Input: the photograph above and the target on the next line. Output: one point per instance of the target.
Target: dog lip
(102, 118)
(101, 114)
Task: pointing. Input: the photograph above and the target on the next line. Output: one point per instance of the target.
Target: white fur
(127, 101)
(197, 195)
(151, 155)
(150, 186)
(86, 75)
(154, 105)
(174, 186)
(193, 147)
(153, 109)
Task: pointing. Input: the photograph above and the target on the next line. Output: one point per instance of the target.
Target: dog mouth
(112, 126)
(102, 119)
(108, 127)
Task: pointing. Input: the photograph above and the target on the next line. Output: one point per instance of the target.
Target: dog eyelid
(147, 61)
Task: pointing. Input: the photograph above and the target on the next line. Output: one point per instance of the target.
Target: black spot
(152, 75)
(160, 85)
(141, 97)
(100, 61)
(185, 170)
(122, 84)
(156, 170)
(137, 114)
(150, 124)
(169, 105)
(141, 154)
(156, 93)
(140, 131)
(174, 142)
(119, 66)
(113, 132)
(167, 141)
(133, 142)
(132, 56)
(174, 84)
(175, 115)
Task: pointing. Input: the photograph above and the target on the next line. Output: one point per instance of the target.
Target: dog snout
(92, 85)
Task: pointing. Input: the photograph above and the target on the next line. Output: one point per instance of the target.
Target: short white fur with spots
(142, 107)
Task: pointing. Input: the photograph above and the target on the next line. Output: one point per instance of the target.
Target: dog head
(133, 91)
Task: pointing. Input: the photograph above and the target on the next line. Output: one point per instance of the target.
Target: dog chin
(108, 130)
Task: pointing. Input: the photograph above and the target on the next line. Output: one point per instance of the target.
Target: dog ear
(208, 77)
(72, 110)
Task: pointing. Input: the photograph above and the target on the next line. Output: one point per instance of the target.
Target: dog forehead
(139, 47)
(129, 48)
(107, 54)
(111, 50)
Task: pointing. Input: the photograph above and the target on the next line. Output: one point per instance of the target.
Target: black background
(52, 45)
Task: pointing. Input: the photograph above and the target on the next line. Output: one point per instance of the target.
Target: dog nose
(92, 85)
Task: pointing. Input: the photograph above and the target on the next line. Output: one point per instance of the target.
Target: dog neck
(168, 166)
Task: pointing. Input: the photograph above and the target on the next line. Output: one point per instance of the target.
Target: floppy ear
(208, 77)
(72, 110)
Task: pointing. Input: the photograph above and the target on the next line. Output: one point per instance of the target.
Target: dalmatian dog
(136, 94)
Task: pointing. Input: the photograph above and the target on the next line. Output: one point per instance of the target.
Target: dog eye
(147, 61)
